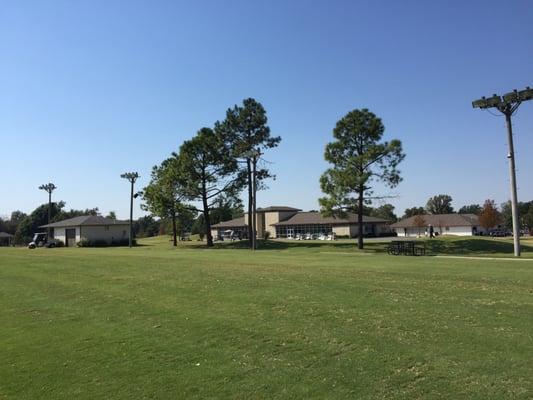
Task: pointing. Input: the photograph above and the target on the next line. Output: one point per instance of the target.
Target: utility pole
(256, 154)
(254, 202)
(49, 187)
(507, 105)
(132, 177)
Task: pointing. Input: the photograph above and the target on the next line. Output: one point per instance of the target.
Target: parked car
(500, 233)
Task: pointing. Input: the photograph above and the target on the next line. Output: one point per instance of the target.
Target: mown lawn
(294, 320)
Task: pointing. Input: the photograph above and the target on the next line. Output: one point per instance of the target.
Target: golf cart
(40, 239)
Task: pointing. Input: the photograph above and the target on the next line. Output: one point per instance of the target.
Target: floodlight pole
(254, 202)
(49, 187)
(132, 177)
(508, 111)
(507, 105)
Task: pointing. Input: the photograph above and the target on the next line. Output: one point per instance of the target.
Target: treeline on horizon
(23, 226)
(199, 185)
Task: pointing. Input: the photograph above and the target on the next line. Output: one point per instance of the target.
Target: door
(70, 237)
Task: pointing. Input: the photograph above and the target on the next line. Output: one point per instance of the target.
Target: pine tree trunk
(360, 220)
(174, 229)
(208, 227)
(207, 218)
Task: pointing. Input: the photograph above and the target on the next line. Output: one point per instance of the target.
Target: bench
(406, 248)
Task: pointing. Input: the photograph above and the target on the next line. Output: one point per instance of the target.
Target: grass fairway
(294, 321)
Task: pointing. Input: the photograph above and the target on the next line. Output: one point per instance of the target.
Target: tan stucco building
(89, 228)
(288, 222)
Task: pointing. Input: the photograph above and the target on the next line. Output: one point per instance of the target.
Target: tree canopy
(409, 212)
(489, 216)
(470, 209)
(207, 171)
(165, 193)
(359, 159)
(385, 211)
(440, 204)
(246, 130)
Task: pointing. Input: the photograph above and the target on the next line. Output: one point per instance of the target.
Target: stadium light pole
(507, 105)
(49, 188)
(132, 177)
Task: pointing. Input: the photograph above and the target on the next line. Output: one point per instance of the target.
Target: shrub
(266, 235)
(104, 243)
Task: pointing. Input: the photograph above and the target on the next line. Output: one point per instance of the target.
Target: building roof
(277, 208)
(5, 235)
(85, 220)
(440, 220)
(314, 217)
(233, 223)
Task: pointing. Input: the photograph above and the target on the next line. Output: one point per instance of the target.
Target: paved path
(488, 258)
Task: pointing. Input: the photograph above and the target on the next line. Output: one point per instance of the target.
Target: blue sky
(91, 89)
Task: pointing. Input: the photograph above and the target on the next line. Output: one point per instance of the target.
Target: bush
(104, 243)
(266, 235)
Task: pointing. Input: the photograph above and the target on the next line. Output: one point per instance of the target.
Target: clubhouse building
(289, 223)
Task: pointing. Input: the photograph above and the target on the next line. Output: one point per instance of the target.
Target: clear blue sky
(91, 89)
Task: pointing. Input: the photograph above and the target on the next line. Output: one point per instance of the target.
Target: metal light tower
(132, 177)
(507, 105)
(49, 187)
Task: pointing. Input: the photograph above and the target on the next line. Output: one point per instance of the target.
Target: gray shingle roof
(233, 223)
(314, 217)
(5, 235)
(440, 220)
(85, 220)
(277, 208)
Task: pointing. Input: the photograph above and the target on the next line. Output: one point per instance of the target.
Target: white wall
(452, 231)
(108, 233)
(59, 233)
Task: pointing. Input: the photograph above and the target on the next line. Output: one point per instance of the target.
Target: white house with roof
(443, 224)
(89, 228)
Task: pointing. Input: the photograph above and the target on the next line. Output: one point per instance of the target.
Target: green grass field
(294, 320)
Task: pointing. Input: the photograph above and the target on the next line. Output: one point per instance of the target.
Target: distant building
(90, 228)
(443, 224)
(6, 239)
(287, 222)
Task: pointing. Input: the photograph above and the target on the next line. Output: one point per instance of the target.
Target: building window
(447, 228)
(292, 230)
(107, 227)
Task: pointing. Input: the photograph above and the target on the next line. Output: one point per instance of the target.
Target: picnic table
(406, 248)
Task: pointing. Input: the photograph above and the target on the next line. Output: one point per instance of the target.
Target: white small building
(443, 224)
(90, 228)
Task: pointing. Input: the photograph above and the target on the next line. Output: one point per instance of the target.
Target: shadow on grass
(447, 246)
(473, 247)
(278, 245)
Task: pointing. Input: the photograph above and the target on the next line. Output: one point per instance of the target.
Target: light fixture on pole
(49, 188)
(132, 177)
(507, 105)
